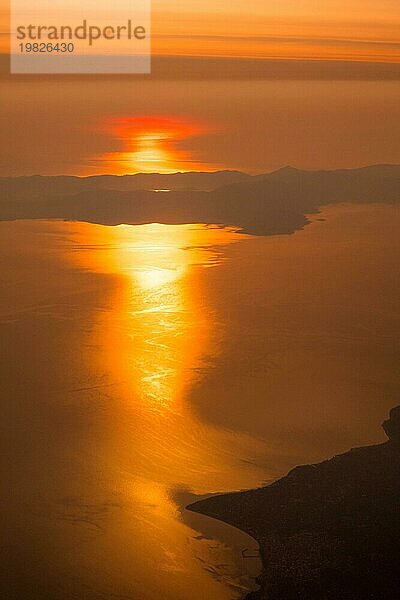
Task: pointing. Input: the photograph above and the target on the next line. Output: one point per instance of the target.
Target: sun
(153, 144)
(153, 153)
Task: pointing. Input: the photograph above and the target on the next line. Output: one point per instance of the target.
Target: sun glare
(152, 144)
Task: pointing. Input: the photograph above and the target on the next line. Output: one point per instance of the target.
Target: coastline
(245, 562)
(328, 530)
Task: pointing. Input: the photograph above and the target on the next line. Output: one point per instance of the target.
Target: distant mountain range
(37, 185)
(273, 203)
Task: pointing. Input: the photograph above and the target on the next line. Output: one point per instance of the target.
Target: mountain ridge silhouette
(266, 204)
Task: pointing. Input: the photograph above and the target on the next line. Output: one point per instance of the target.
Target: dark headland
(326, 531)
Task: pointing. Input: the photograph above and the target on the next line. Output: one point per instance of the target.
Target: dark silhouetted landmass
(275, 203)
(39, 185)
(326, 531)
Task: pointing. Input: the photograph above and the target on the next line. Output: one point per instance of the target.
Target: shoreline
(328, 530)
(243, 549)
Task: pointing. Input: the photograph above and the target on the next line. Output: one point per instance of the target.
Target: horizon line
(286, 167)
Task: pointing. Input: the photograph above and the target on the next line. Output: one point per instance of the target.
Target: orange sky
(365, 30)
(333, 29)
(198, 113)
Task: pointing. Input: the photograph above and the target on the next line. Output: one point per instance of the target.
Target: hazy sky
(63, 126)
(250, 86)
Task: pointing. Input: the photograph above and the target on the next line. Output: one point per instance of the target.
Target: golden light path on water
(157, 336)
(165, 329)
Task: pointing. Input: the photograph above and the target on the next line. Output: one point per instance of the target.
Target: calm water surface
(143, 366)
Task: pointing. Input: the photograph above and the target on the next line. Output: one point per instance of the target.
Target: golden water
(143, 366)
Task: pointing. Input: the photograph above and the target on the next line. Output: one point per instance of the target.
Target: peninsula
(326, 531)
